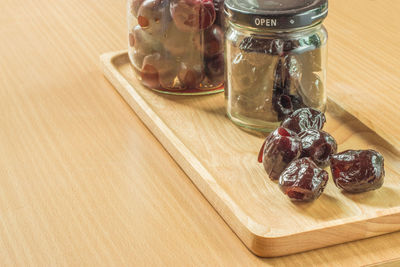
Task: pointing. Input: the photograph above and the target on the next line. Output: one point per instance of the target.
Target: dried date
(318, 145)
(279, 149)
(303, 180)
(358, 171)
(285, 97)
(304, 119)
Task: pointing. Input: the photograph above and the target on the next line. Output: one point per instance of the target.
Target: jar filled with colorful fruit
(177, 46)
(276, 53)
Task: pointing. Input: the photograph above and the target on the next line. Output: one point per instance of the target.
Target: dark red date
(303, 180)
(318, 145)
(285, 98)
(282, 105)
(304, 119)
(358, 171)
(280, 148)
(268, 46)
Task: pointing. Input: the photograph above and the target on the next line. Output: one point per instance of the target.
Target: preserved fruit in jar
(275, 60)
(177, 46)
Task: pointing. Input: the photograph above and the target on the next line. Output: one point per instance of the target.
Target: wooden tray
(221, 160)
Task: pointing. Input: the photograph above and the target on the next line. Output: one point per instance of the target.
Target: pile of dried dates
(298, 151)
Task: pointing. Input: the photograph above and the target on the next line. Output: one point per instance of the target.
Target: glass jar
(177, 46)
(276, 53)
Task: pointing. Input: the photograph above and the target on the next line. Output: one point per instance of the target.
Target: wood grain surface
(221, 160)
(84, 183)
(364, 70)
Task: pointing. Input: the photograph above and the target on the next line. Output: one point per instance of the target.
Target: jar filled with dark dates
(276, 56)
(177, 46)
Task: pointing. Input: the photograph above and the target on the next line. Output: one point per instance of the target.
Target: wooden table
(82, 181)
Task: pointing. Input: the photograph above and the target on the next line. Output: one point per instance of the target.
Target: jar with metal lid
(177, 46)
(276, 56)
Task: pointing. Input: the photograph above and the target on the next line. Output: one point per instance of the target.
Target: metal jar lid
(276, 14)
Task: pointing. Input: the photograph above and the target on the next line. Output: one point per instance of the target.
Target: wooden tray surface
(221, 160)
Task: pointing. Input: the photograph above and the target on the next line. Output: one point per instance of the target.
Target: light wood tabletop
(84, 182)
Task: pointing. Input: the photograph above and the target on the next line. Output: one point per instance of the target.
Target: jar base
(254, 125)
(190, 92)
(185, 92)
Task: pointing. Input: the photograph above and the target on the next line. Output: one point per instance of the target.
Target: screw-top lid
(276, 14)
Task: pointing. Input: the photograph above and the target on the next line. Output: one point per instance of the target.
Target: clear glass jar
(275, 61)
(176, 46)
